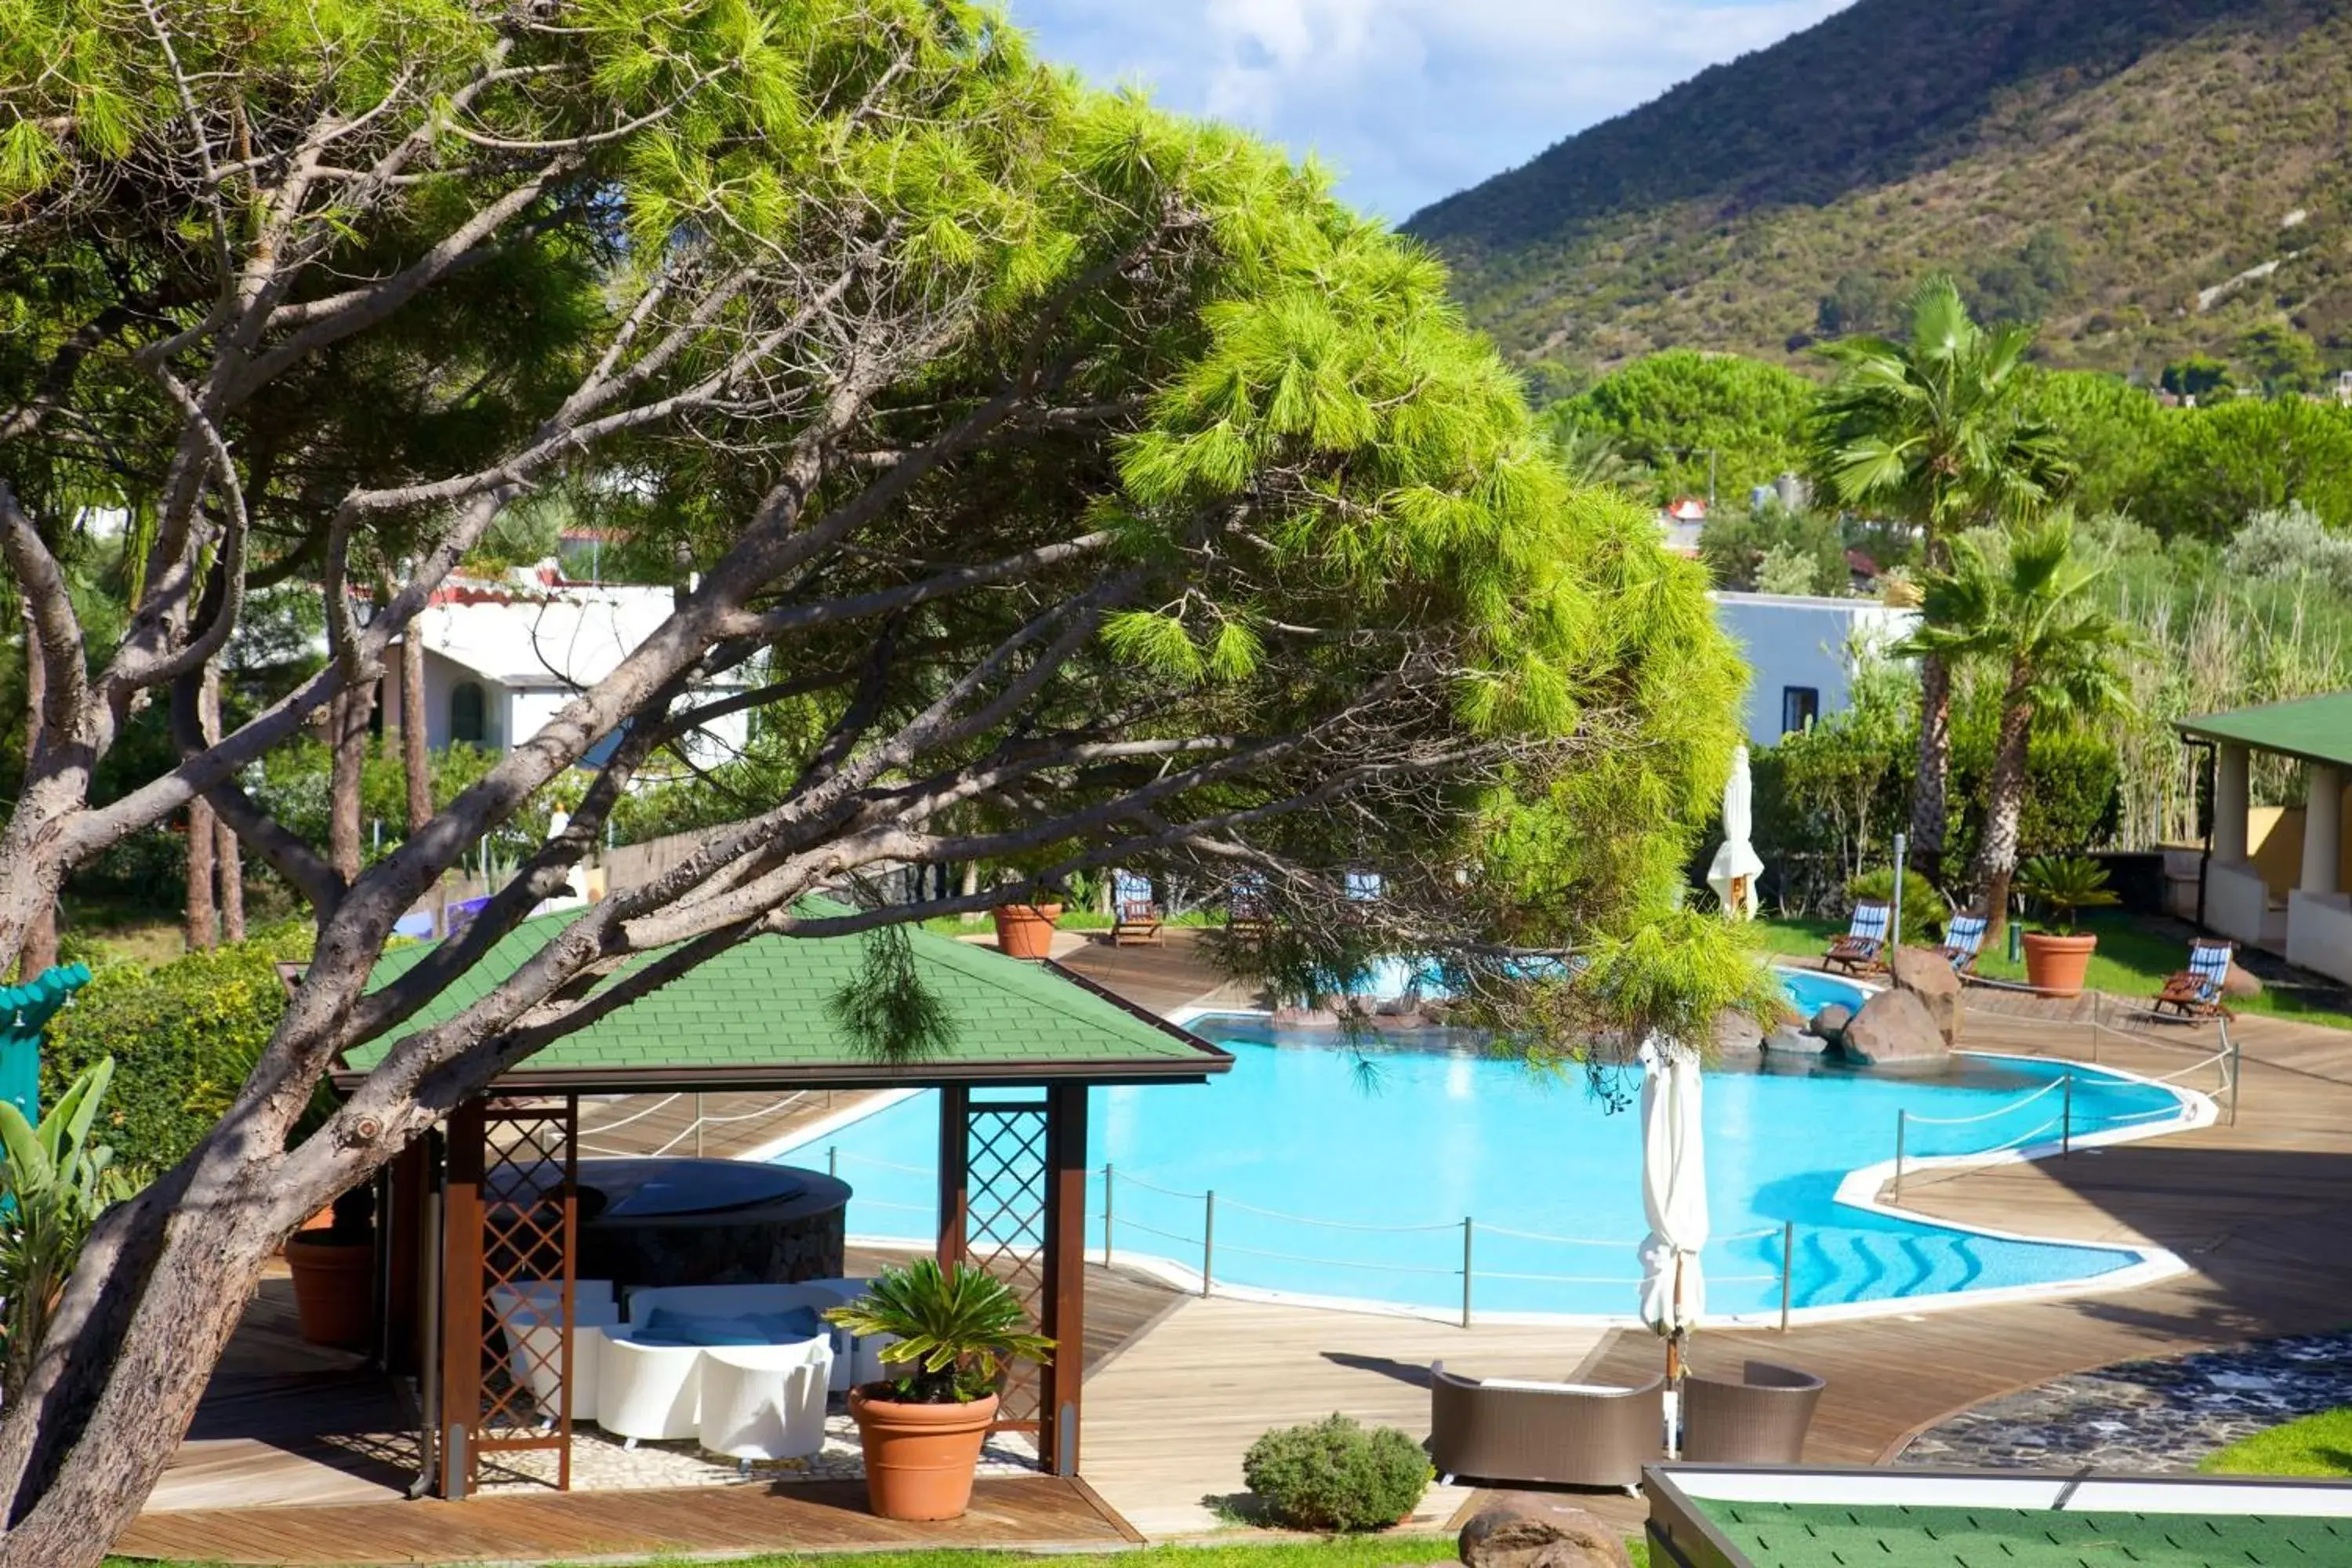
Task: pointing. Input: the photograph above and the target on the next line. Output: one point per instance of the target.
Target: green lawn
(2317, 1445)
(1343, 1552)
(2133, 961)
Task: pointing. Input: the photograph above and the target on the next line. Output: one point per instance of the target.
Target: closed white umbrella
(1673, 1197)
(1737, 865)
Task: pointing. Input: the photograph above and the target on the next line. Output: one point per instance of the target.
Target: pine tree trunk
(347, 733)
(1997, 856)
(203, 832)
(37, 950)
(1930, 792)
(229, 861)
(415, 762)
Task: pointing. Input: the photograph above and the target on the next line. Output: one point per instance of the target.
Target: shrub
(2290, 543)
(182, 1036)
(1923, 907)
(1335, 1475)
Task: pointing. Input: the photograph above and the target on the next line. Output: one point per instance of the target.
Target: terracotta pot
(1026, 931)
(333, 1282)
(2057, 965)
(919, 1458)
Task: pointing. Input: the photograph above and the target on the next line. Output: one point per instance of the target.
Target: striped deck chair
(2196, 991)
(1964, 941)
(1135, 915)
(1864, 946)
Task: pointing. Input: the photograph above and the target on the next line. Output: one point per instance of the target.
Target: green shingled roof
(1842, 1536)
(2316, 729)
(758, 1015)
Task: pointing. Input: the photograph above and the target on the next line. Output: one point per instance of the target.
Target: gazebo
(492, 1196)
(2277, 878)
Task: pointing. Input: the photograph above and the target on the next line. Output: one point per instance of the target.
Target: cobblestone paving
(2160, 1416)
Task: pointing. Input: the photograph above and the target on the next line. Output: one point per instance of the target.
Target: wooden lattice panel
(514, 1221)
(1007, 1194)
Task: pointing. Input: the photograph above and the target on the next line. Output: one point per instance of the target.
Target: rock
(2239, 985)
(1894, 1030)
(1305, 1018)
(1788, 1041)
(1535, 1530)
(1736, 1033)
(1830, 1024)
(1929, 976)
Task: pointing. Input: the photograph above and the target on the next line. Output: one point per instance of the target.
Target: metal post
(1788, 1267)
(1208, 1236)
(1894, 910)
(1107, 1212)
(1901, 1118)
(2066, 1118)
(832, 1161)
(1468, 1232)
(2237, 1067)
(698, 1124)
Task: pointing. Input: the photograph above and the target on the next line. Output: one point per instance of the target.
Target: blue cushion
(664, 1326)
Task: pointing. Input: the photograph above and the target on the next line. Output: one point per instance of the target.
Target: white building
(502, 658)
(1805, 653)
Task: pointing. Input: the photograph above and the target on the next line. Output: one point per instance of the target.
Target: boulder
(1790, 1041)
(2239, 985)
(1305, 1018)
(1736, 1033)
(1929, 976)
(1536, 1530)
(1894, 1030)
(1830, 1024)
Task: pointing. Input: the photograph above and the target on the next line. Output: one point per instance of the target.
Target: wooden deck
(1031, 1513)
(2256, 1210)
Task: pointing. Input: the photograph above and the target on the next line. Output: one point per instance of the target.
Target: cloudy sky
(1410, 100)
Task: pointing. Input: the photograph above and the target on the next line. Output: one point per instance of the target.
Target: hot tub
(664, 1221)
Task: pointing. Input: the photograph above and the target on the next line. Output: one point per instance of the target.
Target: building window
(467, 716)
(1800, 706)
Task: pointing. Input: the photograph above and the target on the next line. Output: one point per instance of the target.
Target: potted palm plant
(2058, 959)
(956, 1335)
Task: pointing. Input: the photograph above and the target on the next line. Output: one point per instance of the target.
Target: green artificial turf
(2317, 1445)
(2132, 961)
(1837, 1535)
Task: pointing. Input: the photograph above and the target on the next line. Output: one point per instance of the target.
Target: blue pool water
(1303, 1145)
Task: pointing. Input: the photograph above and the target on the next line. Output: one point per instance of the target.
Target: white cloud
(1411, 99)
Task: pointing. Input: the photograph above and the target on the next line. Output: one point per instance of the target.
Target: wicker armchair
(1564, 1434)
(1759, 1420)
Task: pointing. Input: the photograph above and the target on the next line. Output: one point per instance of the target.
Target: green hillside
(2100, 164)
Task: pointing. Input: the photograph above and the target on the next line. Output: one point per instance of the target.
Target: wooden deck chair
(1864, 946)
(1246, 912)
(1964, 941)
(2196, 991)
(1135, 917)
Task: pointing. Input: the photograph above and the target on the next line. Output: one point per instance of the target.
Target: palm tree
(2020, 600)
(1936, 430)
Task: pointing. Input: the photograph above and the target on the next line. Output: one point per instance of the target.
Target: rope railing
(2019, 1104)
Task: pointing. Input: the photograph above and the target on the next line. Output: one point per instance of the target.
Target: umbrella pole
(1675, 1368)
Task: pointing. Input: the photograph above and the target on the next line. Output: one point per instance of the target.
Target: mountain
(2149, 178)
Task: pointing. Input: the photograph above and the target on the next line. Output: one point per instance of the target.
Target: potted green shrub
(333, 1269)
(956, 1335)
(2057, 957)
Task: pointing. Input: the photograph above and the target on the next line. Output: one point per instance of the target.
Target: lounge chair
(1135, 915)
(1247, 912)
(2196, 991)
(1964, 942)
(765, 1401)
(1863, 948)
(1759, 1420)
(1559, 1434)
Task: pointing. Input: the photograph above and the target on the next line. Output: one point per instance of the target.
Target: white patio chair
(539, 1298)
(648, 1392)
(854, 1360)
(765, 1402)
(726, 1301)
(534, 1347)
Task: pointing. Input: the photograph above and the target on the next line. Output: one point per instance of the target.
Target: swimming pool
(1336, 1180)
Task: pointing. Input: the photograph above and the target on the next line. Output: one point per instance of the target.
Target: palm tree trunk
(1930, 791)
(203, 832)
(1997, 856)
